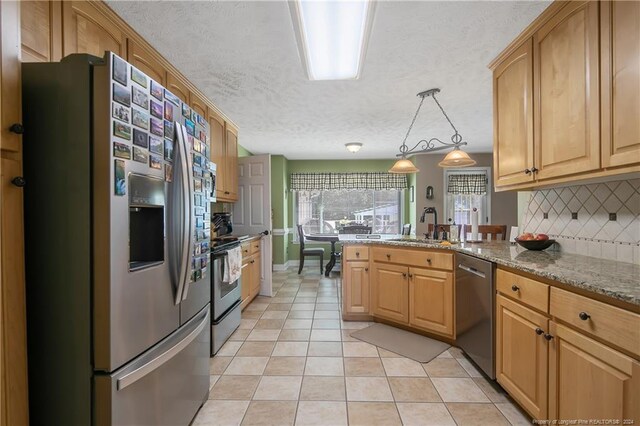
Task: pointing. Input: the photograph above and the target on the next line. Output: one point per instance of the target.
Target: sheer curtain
(466, 190)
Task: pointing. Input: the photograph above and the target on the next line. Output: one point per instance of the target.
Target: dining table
(327, 238)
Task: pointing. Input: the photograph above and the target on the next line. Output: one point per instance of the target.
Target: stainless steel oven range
(225, 296)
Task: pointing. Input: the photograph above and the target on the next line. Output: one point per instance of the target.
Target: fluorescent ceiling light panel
(332, 36)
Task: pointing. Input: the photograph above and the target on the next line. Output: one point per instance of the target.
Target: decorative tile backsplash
(600, 220)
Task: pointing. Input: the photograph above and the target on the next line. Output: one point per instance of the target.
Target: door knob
(19, 181)
(584, 316)
(16, 128)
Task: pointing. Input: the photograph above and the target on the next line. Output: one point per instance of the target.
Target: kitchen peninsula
(553, 312)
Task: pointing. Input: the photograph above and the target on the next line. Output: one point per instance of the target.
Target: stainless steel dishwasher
(475, 311)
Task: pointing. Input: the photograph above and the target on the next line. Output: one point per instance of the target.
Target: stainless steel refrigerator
(117, 246)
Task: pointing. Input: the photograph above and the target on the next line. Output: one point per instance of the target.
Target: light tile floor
(293, 361)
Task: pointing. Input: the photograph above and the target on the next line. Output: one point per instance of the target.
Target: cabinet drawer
(614, 325)
(255, 246)
(525, 290)
(355, 253)
(417, 258)
(246, 250)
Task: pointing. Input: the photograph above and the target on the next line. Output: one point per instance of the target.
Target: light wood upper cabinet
(390, 292)
(521, 355)
(40, 30)
(431, 300)
(146, 61)
(567, 119)
(217, 134)
(513, 117)
(588, 380)
(231, 164)
(620, 64)
(356, 287)
(178, 87)
(198, 104)
(85, 29)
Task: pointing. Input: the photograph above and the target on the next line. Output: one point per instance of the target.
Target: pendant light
(456, 158)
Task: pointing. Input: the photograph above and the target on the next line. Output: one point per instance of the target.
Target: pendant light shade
(457, 158)
(403, 166)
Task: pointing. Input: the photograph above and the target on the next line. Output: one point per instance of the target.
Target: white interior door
(252, 211)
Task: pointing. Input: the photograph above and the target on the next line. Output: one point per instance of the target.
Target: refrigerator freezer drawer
(164, 386)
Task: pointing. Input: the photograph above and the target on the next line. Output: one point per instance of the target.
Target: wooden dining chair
(312, 252)
(355, 229)
(497, 232)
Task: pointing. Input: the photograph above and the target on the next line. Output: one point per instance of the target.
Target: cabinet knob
(404, 274)
(584, 316)
(227, 192)
(548, 336)
(366, 269)
(539, 331)
(357, 253)
(253, 261)
(16, 128)
(534, 170)
(410, 275)
(515, 288)
(429, 261)
(388, 256)
(19, 181)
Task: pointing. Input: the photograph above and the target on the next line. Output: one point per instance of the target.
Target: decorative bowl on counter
(535, 244)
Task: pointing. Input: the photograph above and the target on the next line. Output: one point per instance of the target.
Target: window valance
(467, 184)
(370, 180)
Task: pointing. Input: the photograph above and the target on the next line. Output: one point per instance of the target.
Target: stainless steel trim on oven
(222, 302)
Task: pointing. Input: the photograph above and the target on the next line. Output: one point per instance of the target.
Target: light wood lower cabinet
(390, 292)
(356, 294)
(431, 304)
(251, 272)
(549, 365)
(589, 380)
(521, 355)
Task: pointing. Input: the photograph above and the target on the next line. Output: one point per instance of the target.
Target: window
(465, 190)
(321, 211)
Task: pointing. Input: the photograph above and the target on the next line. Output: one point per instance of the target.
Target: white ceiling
(243, 56)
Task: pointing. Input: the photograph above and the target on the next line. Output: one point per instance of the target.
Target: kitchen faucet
(435, 219)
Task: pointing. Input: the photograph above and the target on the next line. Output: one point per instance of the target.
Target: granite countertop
(618, 280)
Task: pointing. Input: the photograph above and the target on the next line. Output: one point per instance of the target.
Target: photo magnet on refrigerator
(120, 184)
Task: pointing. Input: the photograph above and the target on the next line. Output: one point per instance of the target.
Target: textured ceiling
(244, 57)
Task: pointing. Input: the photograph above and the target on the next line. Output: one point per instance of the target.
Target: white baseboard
(294, 263)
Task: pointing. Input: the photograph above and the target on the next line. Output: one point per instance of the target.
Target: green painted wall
(279, 198)
(243, 152)
(337, 166)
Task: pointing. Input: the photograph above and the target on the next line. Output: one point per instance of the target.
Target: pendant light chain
(404, 147)
(444, 113)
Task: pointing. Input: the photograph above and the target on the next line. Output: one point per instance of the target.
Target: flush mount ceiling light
(353, 146)
(332, 36)
(456, 158)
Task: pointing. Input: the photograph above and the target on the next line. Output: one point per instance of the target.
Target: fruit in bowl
(532, 241)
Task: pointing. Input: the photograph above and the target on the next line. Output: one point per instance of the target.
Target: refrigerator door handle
(182, 134)
(149, 367)
(182, 205)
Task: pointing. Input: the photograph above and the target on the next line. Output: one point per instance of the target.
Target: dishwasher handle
(471, 270)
